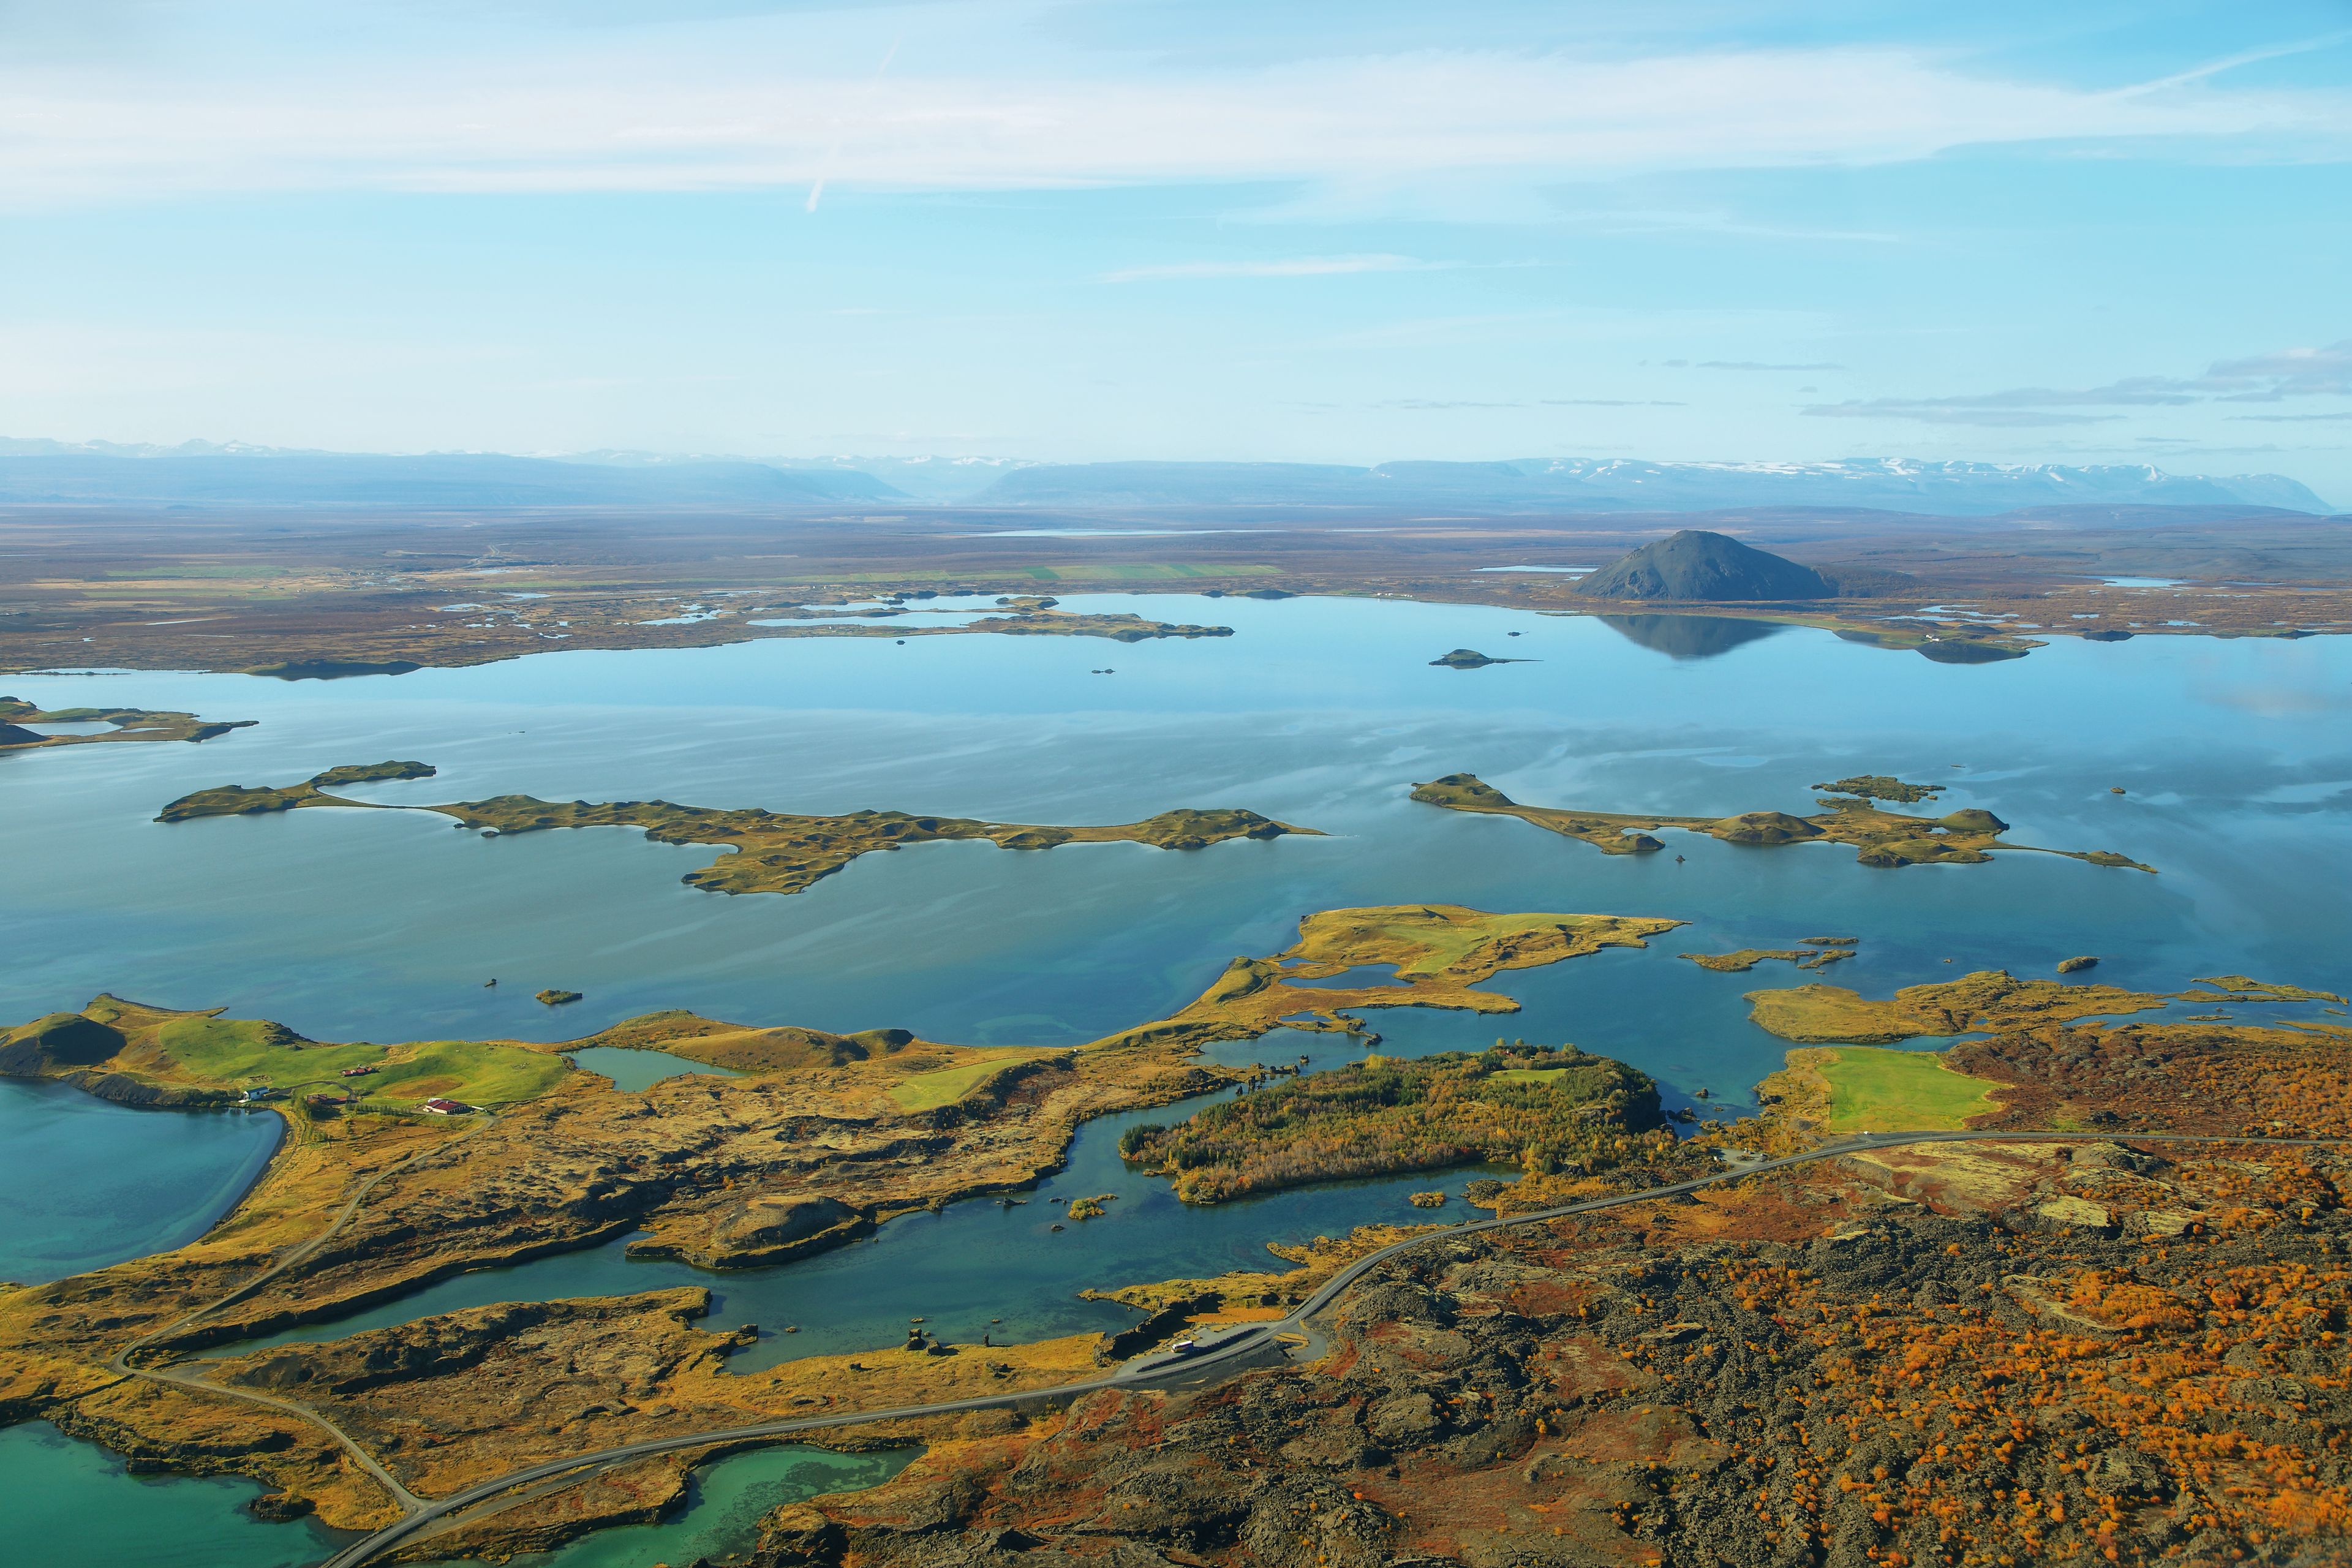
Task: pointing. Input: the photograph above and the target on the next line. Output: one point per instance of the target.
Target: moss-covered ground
(767, 851)
(1880, 837)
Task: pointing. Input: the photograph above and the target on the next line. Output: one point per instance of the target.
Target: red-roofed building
(448, 1107)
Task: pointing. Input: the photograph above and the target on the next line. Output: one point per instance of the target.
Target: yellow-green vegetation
(1882, 839)
(2243, 988)
(129, 724)
(1987, 999)
(1879, 786)
(1093, 1207)
(1747, 958)
(555, 997)
(1426, 1200)
(768, 852)
(1438, 942)
(946, 1086)
(1867, 1088)
(1546, 1109)
(148, 1055)
(1439, 952)
(237, 800)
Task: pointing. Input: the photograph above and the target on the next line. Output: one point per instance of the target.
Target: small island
(768, 852)
(128, 724)
(1546, 1109)
(1471, 659)
(1882, 839)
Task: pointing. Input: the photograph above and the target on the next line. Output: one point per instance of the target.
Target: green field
(1877, 1090)
(243, 1053)
(929, 1091)
(466, 1069)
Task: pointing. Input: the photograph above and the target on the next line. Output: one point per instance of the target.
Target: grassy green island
(1550, 1109)
(1880, 838)
(771, 852)
(152, 1055)
(129, 724)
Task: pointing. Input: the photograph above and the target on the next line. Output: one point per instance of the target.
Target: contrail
(824, 170)
(2251, 56)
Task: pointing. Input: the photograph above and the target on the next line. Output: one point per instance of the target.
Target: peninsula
(768, 851)
(1880, 838)
(128, 724)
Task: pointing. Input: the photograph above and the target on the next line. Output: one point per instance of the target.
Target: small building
(357, 1072)
(439, 1107)
(260, 1093)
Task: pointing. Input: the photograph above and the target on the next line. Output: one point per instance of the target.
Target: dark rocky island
(1714, 568)
(1470, 659)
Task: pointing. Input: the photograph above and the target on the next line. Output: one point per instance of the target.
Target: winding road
(1254, 1344)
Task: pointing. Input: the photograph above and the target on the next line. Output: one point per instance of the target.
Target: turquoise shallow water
(724, 1505)
(2236, 757)
(632, 1070)
(71, 1502)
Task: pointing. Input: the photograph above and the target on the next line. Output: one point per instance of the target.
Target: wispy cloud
(1930, 411)
(2259, 378)
(690, 112)
(2291, 418)
(1277, 266)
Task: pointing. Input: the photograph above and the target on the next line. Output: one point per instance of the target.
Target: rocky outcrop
(1695, 564)
(765, 1228)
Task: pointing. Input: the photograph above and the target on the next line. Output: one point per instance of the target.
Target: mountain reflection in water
(1689, 636)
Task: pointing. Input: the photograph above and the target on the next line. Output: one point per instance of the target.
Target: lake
(2235, 757)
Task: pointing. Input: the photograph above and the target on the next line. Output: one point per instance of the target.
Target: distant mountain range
(1893, 484)
(207, 473)
(231, 476)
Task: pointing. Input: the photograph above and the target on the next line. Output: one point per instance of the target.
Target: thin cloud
(715, 108)
(2259, 378)
(1928, 411)
(2289, 418)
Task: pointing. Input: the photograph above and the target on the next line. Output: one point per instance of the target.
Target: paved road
(121, 1361)
(1257, 1343)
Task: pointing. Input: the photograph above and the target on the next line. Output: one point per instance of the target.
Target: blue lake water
(2236, 757)
(90, 1183)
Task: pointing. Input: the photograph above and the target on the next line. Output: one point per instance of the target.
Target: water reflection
(1690, 636)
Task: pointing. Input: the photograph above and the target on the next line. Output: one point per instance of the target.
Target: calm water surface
(90, 1183)
(2235, 756)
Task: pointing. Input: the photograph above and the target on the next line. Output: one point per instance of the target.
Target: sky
(1074, 230)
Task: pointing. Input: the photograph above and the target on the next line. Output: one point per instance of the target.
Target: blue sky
(1082, 229)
